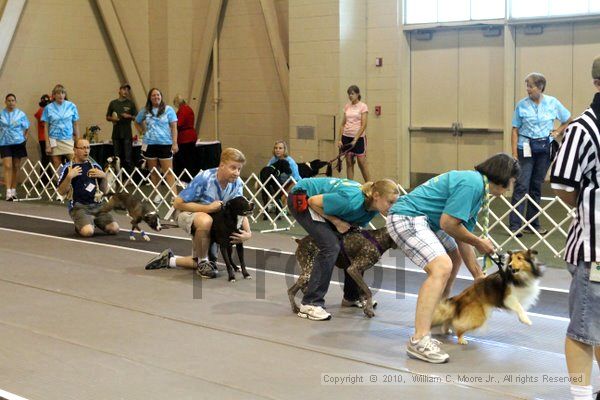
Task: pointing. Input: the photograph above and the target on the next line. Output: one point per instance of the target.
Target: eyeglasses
(83, 148)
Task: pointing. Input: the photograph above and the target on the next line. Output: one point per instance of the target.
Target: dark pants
(123, 150)
(45, 160)
(533, 172)
(184, 159)
(328, 242)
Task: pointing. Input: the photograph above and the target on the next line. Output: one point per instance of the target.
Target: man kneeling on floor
(206, 194)
(85, 178)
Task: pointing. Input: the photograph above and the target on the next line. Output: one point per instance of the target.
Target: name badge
(90, 187)
(53, 142)
(595, 272)
(526, 150)
(144, 147)
(315, 216)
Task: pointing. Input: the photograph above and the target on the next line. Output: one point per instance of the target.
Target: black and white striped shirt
(577, 166)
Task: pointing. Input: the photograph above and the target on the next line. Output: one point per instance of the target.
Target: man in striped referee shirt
(576, 180)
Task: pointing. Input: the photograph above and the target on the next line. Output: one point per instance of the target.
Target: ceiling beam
(8, 26)
(272, 23)
(202, 62)
(122, 50)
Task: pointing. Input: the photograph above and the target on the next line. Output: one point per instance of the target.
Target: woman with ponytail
(327, 208)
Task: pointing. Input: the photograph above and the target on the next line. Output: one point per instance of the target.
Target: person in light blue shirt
(532, 134)
(206, 194)
(158, 122)
(280, 152)
(328, 208)
(433, 226)
(14, 127)
(60, 118)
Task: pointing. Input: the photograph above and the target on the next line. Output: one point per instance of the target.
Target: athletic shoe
(540, 230)
(161, 260)
(357, 303)
(427, 349)
(207, 269)
(314, 313)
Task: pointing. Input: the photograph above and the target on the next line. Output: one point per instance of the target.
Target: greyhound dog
(138, 211)
(112, 168)
(361, 249)
(225, 222)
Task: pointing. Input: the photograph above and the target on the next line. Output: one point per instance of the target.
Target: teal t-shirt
(342, 198)
(456, 193)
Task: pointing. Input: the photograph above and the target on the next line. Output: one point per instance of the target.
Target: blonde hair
(596, 68)
(231, 154)
(285, 147)
(178, 100)
(59, 89)
(384, 187)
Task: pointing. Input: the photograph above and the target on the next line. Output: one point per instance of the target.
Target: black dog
(274, 170)
(138, 211)
(225, 222)
(310, 169)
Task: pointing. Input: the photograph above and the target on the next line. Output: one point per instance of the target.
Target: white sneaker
(314, 313)
(427, 349)
(157, 199)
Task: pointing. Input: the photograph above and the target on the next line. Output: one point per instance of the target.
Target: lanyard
(486, 218)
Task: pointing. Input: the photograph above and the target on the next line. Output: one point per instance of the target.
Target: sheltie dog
(515, 288)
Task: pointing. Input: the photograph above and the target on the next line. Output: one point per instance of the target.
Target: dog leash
(500, 264)
(338, 159)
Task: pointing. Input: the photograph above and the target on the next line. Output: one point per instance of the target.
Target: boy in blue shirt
(433, 226)
(206, 194)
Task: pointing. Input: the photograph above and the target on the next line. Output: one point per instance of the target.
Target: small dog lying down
(225, 222)
(515, 288)
(137, 210)
(361, 249)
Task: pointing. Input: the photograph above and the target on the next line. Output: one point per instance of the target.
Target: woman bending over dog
(433, 226)
(326, 208)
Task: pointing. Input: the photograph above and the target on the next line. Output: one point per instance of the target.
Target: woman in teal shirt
(333, 205)
(14, 127)
(433, 226)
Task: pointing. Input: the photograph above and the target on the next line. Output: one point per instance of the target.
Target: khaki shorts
(185, 220)
(63, 147)
(90, 214)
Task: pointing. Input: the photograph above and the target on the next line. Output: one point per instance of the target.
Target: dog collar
(371, 239)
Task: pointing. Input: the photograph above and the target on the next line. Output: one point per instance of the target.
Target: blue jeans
(584, 313)
(328, 242)
(533, 172)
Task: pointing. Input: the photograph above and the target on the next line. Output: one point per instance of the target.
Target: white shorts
(416, 239)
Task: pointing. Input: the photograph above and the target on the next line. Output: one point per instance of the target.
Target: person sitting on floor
(84, 178)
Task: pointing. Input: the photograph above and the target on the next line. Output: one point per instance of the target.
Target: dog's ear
(531, 251)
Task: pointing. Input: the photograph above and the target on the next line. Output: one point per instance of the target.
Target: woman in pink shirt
(352, 133)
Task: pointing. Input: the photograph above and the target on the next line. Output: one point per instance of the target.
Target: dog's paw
(247, 276)
(463, 341)
(525, 319)
(146, 238)
(231, 280)
(131, 237)
(369, 313)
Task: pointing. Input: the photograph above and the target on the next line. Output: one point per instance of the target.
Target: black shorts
(13, 151)
(160, 151)
(360, 149)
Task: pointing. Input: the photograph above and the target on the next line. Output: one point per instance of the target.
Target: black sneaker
(161, 260)
(207, 269)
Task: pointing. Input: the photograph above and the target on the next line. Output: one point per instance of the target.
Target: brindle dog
(361, 250)
(137, 210)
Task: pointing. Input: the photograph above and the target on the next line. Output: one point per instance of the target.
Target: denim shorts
(584, 310)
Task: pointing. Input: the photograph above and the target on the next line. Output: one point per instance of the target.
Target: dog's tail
(444, 312)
